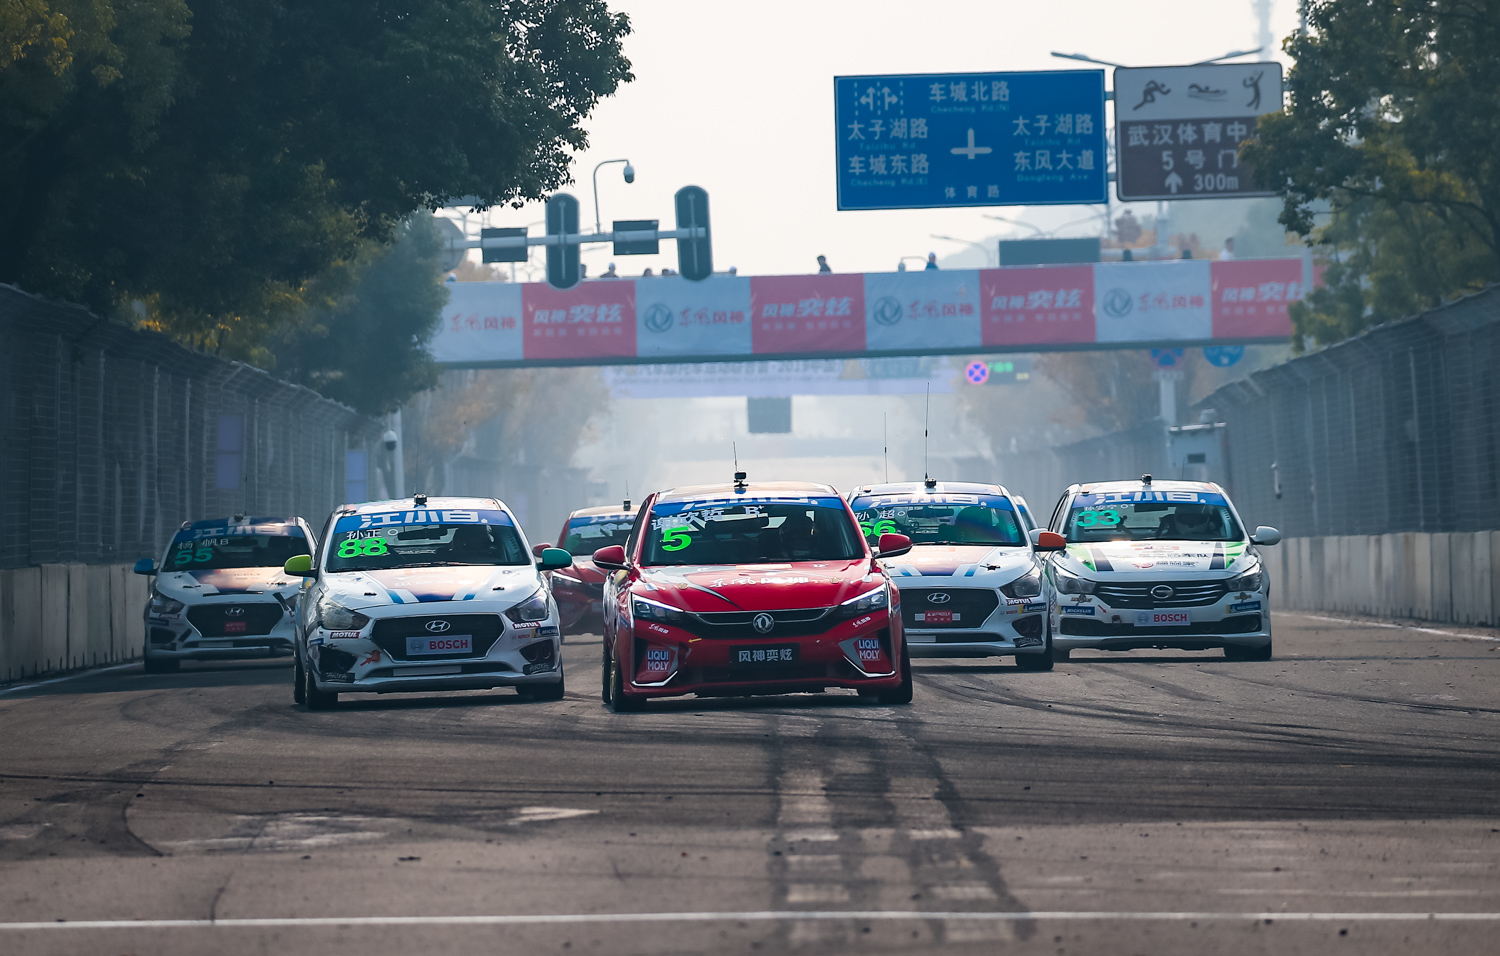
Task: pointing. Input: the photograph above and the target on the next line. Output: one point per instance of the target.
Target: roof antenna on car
(885, 445)
(739, 476)
(927, 480)
(626, 504)
(420, 499)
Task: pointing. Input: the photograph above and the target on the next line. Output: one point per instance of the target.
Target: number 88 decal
(353, 547)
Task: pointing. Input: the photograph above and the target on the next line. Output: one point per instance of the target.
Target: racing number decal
(353, 547)
(187, 556)
(1092, 519)
(877, 528)
(675, 539)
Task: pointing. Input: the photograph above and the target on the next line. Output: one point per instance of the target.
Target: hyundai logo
(1161, 592)
(438, 627)
(763, 623)
(234, 612)
(939, 597)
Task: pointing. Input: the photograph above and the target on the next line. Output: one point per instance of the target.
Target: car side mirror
(1047, 541)
(145, 566)
(553, 559)
(1266, 535)
(611, 558)
(537, 549)
(300, 566)
(891, 545)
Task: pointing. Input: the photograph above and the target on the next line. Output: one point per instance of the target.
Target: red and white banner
(1025, 308)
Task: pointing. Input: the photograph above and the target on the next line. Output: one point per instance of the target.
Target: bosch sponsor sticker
(1162, 618)
(426, 645)
(1078, 609)
(1247, 606)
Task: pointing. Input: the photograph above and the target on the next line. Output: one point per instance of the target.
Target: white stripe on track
(1399, 627)
(756, 916)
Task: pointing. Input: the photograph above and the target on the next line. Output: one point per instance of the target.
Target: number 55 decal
(675, 539)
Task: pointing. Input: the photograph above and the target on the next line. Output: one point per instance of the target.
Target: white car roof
(1165, 484)
(441, 503)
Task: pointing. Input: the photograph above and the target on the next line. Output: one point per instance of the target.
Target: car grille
(390, 633)
(210, 619)
(1184, 594)
(1246, 624)
(972, 605)
(737, 625)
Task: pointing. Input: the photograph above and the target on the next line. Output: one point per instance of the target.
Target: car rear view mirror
(892, 544)
(145, 566)
(553, 559)
(1047, 541)
(611, 558)
(1266, 535)
(299, 566)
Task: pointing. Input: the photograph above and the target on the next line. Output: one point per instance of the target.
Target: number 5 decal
(675, 539)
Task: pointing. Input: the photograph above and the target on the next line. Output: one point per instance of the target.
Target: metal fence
(1394, 430)
(111, 437)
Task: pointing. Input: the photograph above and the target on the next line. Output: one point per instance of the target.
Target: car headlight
(1028, 585)
(1247, 580)
(336, 617)
(161, 604)
(1068, 583)
(534, 608)
(653, 611)
(877, 599)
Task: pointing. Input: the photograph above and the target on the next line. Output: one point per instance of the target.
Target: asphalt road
(1327, 801)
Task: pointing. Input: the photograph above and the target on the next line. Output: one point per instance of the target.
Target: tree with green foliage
(223, 168)
(1392, 125)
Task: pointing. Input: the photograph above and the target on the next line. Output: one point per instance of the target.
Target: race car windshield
(415, 540)
(941, 519)
(590, 533)
(755, 531)
(1202, 517)
(216, 552)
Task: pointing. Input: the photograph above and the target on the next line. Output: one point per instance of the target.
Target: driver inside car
(797, 535)
(1189, 521)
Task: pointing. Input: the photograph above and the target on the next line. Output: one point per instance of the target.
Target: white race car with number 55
(1164, 564)
(423, 595)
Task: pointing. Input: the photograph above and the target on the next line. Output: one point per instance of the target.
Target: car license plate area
(1162, 618)
(939, 617)
(216, 643)
(763, 655)
(428, 671)
(236, 627)
(445, 646)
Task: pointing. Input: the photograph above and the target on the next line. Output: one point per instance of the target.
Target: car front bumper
(1239, 622)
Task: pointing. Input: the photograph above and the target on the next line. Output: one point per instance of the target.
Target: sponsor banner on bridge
(1024, 308)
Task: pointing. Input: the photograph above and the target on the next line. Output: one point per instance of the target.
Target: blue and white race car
(221, 591)
(972, 584)
(1164, 564)
(426, 594)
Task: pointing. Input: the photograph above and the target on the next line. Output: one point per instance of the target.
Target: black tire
(1035, 662)
(902, 693)
(1236, 652)
(619, 701)
(161, 665)
(299, 688)
(542, 691)
(607, 677)
(318, 699)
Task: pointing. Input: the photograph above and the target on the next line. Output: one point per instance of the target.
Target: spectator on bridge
(931, 262)
(610, 273)
(647, 273)
(1228, 251)
(823, 265)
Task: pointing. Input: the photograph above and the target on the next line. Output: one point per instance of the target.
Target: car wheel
(318, 699)
(1035, 662)
(542, 691)
(299, 687)
(1236, 652)
(619, 701)
(161, 665)
(902, 693)
(607, 677)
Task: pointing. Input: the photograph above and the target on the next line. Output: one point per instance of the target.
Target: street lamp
(1015, 222)
(901, 265)
(629, 178)
(984, 249)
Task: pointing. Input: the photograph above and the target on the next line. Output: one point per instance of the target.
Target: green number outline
(675, 535)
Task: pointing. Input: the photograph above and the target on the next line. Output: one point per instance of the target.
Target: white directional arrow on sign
(970, 150)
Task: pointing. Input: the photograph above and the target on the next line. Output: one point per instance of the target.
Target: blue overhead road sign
(927, 140)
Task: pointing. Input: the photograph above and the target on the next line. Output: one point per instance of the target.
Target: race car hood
(585, 570)
(758, 587)
(988, 565)
(189, 585)
(1138, 560)
(362, 589)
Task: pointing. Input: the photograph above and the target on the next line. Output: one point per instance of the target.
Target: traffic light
(695, 257)
(562, 261)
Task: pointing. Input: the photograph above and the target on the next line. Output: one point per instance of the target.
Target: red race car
(738, 589)
(579, 590)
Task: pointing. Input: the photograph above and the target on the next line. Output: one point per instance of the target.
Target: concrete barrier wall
(1450, 577)
(60, 617)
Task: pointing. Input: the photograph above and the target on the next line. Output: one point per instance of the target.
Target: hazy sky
(738, 98)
